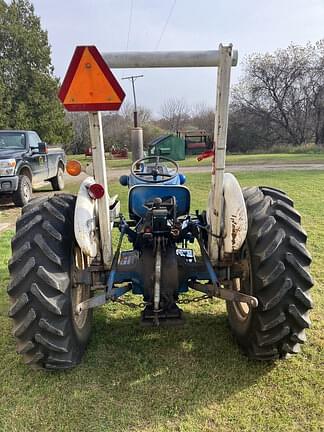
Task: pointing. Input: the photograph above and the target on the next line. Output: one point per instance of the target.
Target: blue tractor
(157, 267)
(58, 275)
(247, 247)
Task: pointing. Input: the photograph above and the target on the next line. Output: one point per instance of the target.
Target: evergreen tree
(28, 87)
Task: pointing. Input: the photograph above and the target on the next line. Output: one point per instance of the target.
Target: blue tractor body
(161, 265)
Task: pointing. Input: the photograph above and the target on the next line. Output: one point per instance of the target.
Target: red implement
(205, 155)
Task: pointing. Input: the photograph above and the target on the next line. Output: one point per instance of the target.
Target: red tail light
(88, 151)
(96, 191)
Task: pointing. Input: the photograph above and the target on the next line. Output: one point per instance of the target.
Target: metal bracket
(101, 299)
(91, 303)
(225, 294)
(82, 277)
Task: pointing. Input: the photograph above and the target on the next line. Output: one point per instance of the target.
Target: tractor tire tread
(281, 280)
(39, 285)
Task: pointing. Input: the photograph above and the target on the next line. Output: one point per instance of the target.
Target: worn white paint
(114, 206)
(235, 216)
(165, 59)
(220, 137)
(100, 173)
(85, 220)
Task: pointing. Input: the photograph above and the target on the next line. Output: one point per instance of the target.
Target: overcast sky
(251, 25)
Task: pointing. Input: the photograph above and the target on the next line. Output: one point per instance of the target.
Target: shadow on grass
(133, 376)
(154, 373)
(6, 203)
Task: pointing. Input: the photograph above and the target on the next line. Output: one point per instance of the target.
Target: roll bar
(165, 59)
(223, 58)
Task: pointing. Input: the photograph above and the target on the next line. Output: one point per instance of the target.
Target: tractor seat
(141, 194)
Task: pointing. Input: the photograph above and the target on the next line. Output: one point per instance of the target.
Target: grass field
(186, 379)
(275, 158)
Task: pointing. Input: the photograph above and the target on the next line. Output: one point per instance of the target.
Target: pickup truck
(26, 161)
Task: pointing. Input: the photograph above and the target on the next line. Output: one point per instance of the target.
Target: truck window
(12, 140)
(33, 140)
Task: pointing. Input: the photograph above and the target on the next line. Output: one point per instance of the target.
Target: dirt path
(264, 167)
(4, 227)
(115, 173)
(9, 213)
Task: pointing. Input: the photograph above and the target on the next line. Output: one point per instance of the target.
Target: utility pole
(136, 132)
(133, 78)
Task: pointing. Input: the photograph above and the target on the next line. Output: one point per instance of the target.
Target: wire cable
(129, 26)
(166, 24)
(129, 23)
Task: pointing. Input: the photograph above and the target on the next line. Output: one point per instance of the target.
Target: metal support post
(137, 143)
(133, 78)
(220, 138)
(100, 173)
(136, 132)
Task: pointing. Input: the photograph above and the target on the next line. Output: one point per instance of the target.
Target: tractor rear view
(247, 247)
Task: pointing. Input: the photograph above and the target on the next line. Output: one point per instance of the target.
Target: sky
(143, 25)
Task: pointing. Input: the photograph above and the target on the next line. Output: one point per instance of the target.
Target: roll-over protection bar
(223, 58)
(165, 59)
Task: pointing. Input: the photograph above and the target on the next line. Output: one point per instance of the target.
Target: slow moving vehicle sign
(89, 84)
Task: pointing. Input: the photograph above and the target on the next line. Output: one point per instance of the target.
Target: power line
(129, 23)
(133, 78)
(129, 26)
(166, 24)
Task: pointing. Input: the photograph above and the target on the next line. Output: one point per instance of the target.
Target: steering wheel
(159, 162)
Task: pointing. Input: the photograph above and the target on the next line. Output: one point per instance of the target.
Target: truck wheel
(58, 181)
(24, 192)
(277, 273)
(42, 286)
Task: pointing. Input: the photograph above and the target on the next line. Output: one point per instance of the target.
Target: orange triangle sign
(89, 84)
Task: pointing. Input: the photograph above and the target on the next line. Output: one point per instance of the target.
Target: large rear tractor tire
(42, 290)
(277, 274)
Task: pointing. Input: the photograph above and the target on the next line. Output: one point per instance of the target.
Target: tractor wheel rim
(242, 309)
(60, 179)
(26, 191)
(80, 292)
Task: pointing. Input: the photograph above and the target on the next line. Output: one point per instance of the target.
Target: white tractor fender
(85, 220)
(235, 216)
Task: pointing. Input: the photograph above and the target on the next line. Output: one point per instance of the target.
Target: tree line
(279, 99)
(175, 115)
(28, 87)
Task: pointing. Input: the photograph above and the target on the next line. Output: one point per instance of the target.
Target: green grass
(276, 158)
(259, 159)
(186, 379)
(111, 163)
(246, 159)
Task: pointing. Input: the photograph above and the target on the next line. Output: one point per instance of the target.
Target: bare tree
(115, 130)
(316, 92)
(203, 117)
(175, 114)
(144, 114)
(285, 91)
(81, 135)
